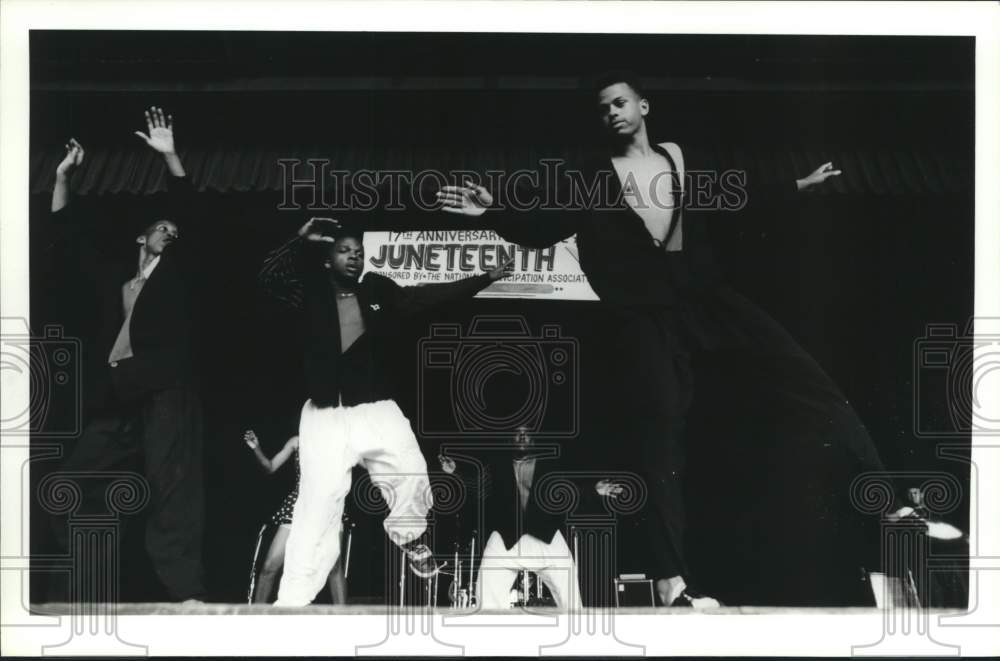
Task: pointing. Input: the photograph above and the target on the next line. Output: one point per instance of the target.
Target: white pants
(332, 440)
(553, 562)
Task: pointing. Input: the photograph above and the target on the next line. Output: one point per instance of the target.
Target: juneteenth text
(463, 256)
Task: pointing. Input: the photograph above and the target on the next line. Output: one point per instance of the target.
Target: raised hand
(72, 160)
(502, 271)
(60, 189)
(447, 464)
(609, 488)
(251, 439)
(818, 176)
(161, 131)
(468, 200)
(312, 230)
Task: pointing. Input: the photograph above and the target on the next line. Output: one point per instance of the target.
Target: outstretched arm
(250, 438)
(160, 138)
(66, 167)
(277, 461)
(69, 226)
(535, 228)
(283, 274)
(760, 190)
(759, 197)
(412, 300)
(816, 177)
(479, 482)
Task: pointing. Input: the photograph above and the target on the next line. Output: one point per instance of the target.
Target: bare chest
(352, 324)
(647, 187)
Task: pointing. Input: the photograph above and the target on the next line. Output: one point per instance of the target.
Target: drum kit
(527, 591)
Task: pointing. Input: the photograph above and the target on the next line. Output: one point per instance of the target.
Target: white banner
(414, 258)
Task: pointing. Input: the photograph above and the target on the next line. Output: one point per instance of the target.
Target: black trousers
(165, 428)
(661, 349)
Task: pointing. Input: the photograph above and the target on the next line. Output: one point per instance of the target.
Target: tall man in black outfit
(669, 305)
(142, 397)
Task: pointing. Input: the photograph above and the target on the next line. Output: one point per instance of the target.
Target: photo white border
(817, 633)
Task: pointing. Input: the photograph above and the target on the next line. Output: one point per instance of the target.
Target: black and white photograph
(330, 332)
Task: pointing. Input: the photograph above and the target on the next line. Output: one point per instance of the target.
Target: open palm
(161, 131)
(467, 200)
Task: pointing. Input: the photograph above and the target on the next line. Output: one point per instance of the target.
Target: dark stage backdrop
(855, 272)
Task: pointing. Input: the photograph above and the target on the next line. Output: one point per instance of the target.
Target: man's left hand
(818, 176)
(161, 131)
(502, 271)
(609, 488)
(468, 200)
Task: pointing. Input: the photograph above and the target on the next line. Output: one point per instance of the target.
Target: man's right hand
(161, 139)
(447, 464)
(60, 189)
(251, 439)
(467, 200)
(72, 160)
(609, 488)
(161, 131)
(311, 231)
(502, 271)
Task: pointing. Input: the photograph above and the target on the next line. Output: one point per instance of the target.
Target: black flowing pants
(659, 351)
(165, 428)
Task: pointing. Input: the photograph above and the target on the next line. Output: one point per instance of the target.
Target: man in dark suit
(525, 525)
(141, 391)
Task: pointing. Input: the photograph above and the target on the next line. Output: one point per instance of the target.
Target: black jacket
(162, 329)
(295, 274)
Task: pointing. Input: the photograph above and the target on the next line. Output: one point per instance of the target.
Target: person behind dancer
(668, 304)
(282, 520)
(350, 417)
(524, 534)
(144, 398)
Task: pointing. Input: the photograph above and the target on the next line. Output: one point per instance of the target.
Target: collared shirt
(352, 324)
(524, 474)
(130, 294)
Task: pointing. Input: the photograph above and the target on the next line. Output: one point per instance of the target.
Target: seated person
(524, 529)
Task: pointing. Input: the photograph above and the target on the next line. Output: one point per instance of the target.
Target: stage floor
(368, 609)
